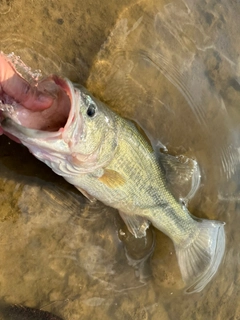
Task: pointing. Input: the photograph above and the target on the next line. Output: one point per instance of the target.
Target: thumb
(20, 90)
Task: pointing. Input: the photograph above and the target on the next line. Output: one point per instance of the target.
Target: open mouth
(43, 106)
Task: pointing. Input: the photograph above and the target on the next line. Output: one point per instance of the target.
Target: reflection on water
(173, 67)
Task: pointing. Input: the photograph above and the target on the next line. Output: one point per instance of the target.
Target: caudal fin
(200, 258)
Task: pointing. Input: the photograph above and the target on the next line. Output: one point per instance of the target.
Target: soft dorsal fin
(182, 175)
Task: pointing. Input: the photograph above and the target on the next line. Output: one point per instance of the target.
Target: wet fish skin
(105, 157)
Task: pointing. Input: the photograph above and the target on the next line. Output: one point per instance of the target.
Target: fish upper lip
(31, 120)
(41, 104)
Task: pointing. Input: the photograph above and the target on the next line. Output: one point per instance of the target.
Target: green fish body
(106, 158)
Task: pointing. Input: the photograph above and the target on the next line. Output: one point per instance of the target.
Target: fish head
(76, 134)
(99, 130)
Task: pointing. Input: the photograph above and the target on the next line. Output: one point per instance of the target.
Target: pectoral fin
(135, 224)
(112, 178)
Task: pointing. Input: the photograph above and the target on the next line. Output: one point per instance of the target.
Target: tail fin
(200, 259)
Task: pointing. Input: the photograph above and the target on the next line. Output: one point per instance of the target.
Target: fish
(107, 158)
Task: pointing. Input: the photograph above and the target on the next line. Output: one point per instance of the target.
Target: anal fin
(135, 224)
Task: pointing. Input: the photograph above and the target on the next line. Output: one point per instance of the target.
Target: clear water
(174, 68)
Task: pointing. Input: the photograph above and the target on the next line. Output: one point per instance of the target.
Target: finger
(20, 90)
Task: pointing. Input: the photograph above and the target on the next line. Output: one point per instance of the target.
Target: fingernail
(44, 100)
(45, 97)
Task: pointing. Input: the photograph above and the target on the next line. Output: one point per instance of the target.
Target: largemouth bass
(106, 158)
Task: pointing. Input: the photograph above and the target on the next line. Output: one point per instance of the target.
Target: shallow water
(174, 68)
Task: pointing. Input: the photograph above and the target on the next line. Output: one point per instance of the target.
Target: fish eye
(91, 110)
